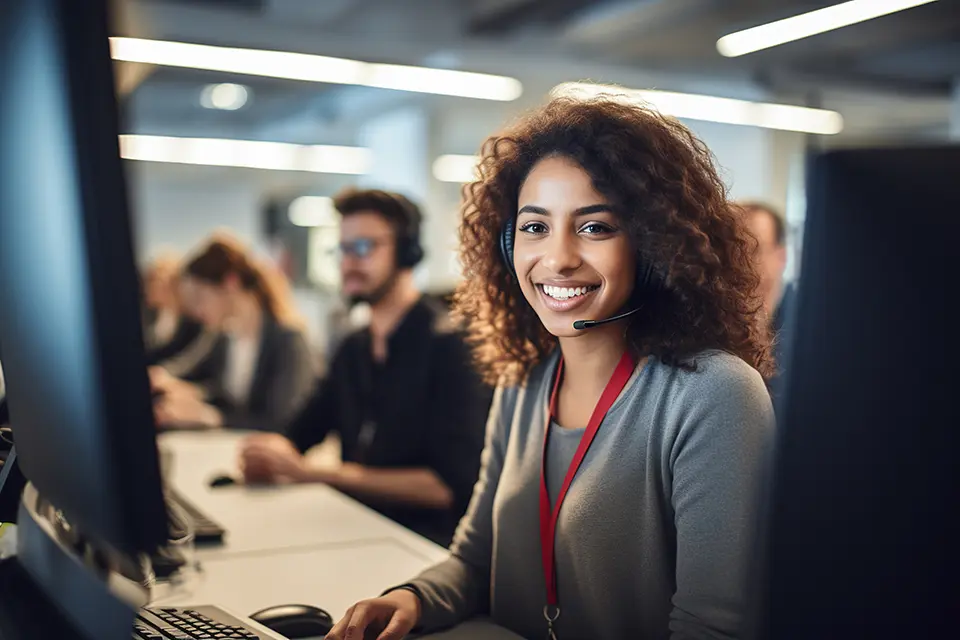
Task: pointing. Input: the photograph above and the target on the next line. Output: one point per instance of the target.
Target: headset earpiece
(647, 280)
(506, 245)
(409, 250)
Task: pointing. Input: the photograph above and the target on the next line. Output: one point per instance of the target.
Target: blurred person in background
(401, 393)
(163, 315)
(173, 337)
(769, 227)
(260, 371)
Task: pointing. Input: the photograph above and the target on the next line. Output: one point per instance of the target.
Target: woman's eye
(596, 228)
(534, 227)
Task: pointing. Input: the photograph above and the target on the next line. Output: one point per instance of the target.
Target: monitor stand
(58, 588)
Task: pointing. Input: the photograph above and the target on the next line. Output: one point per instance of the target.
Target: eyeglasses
(360, 248)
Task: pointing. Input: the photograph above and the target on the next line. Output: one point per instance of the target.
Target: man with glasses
(401, 393)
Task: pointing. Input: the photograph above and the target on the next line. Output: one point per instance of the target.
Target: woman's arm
(720, 462)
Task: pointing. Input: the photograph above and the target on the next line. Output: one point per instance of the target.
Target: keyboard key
(187, 624)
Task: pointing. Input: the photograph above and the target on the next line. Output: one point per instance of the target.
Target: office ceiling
(911, 53)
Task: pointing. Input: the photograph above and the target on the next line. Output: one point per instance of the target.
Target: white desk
(305, 544)
(270, 518)
(332, 577)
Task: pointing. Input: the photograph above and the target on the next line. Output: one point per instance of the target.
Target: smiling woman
(603, 174)
(570, 253)
(609, 290)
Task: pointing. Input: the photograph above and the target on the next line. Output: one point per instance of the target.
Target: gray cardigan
(282, 380)
(656, 535)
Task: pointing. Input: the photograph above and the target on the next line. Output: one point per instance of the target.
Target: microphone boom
(580, 325)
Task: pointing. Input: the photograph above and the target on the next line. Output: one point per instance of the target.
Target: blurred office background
(892, 79)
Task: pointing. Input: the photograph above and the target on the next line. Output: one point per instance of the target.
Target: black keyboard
(206, 530)
(201, 623)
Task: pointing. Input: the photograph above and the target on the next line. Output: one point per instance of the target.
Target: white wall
(744, 157)
(175, 208)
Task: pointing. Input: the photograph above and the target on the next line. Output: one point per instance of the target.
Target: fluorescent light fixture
(312, 68)
(312, 211)
(809, 24)
(456, 168)
(251, 154)
(713, 109)
(226, 96)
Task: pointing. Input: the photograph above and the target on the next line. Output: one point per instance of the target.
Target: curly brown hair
(662, 183)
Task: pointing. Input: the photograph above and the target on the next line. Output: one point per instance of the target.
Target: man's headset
(648, 281)
(409, 249)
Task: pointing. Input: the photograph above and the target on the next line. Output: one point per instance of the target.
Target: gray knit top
(657, 533)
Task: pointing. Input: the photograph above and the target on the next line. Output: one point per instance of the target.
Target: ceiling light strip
(314, 68)
(713, 109)
(809, 24)
(251, 154)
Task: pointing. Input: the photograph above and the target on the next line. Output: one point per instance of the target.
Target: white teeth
(565, 293)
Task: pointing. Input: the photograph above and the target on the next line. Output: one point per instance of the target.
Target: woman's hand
(184, 411)
(162, 382)
(270, 457)
(392, 616)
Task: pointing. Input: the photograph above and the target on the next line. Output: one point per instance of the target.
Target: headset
(409, 250)
(648, 281)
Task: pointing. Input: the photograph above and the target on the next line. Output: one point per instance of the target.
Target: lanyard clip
(550, 613)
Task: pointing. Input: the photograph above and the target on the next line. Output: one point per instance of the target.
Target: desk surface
(306, 544)
(269, 518)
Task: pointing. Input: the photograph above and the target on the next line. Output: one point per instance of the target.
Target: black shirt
(424, 407)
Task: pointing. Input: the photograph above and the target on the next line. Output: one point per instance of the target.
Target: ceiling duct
(249, 6)
(498, 17)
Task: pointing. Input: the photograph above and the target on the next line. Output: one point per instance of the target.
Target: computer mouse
(295, 620)
(222, 481)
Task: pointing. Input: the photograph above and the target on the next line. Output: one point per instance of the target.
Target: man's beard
(379, 293)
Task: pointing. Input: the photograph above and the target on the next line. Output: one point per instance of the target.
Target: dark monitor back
(73, 358)
(864, 531)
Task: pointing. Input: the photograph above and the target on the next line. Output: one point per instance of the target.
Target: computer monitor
(73, 355)
(863, 528)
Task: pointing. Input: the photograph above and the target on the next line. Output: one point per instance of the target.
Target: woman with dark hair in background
(173, 338)
(620, 486)
(260, 371)
(166, 328)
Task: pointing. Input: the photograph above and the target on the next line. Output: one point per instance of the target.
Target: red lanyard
(548, 515)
